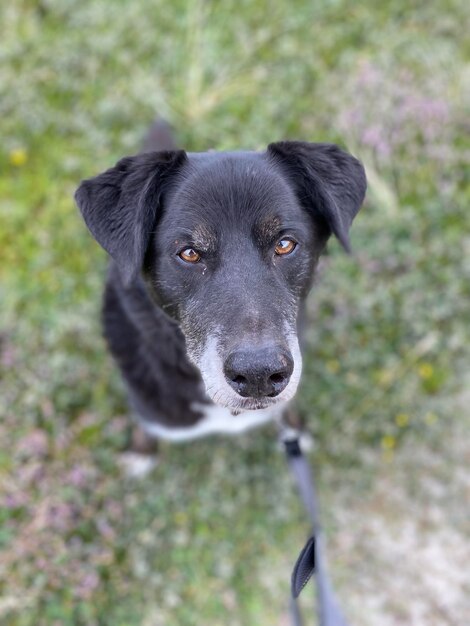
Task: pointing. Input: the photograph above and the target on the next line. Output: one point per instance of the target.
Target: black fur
(232, 208)
(149, 349)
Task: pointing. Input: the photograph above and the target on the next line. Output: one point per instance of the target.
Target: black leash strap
(311, 560)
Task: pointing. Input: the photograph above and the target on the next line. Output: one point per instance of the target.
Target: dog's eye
(285, 246)
(189, 255)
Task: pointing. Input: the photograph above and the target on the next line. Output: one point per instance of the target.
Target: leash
(311, 560)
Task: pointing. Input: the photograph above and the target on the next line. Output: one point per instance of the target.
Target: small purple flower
(13, 501)
(34, 444)
(78, 476)
(86, 585)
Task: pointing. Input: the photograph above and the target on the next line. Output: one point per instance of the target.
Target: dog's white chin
(247, 404)
(235, 403)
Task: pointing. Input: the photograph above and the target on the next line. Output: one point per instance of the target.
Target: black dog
(213, 256)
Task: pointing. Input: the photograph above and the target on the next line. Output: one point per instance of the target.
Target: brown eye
(189, 255)
(285, 246)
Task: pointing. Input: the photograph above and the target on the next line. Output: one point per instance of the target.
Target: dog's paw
(137, 465)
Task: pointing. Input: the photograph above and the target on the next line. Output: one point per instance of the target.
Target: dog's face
(232, 257)
(228, 243)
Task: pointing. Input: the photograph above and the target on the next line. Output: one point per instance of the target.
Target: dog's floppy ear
(120, 205)
(328, 181)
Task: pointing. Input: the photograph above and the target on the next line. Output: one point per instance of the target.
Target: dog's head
(228, 243)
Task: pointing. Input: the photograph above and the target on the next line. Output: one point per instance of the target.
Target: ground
(211, 534)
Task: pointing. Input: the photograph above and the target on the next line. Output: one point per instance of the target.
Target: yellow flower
(385, 377)
(402, 419)
(18, 157)
(425, 370)
(388, 442)
(332, 366)
(430, 418)
(180, 518)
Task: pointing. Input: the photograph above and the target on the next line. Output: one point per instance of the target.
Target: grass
(388, 340)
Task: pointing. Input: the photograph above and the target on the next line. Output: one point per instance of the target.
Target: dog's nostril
(277, 378)
(239, 380)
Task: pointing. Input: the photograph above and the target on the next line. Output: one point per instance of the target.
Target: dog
(212, 257)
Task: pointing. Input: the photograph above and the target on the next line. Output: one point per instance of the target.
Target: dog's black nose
(257, 373)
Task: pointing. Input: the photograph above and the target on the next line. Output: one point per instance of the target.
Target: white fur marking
(217, 419)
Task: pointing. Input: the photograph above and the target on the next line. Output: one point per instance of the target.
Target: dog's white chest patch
(216, 420)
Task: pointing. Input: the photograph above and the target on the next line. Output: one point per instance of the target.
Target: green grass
(210, 536)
